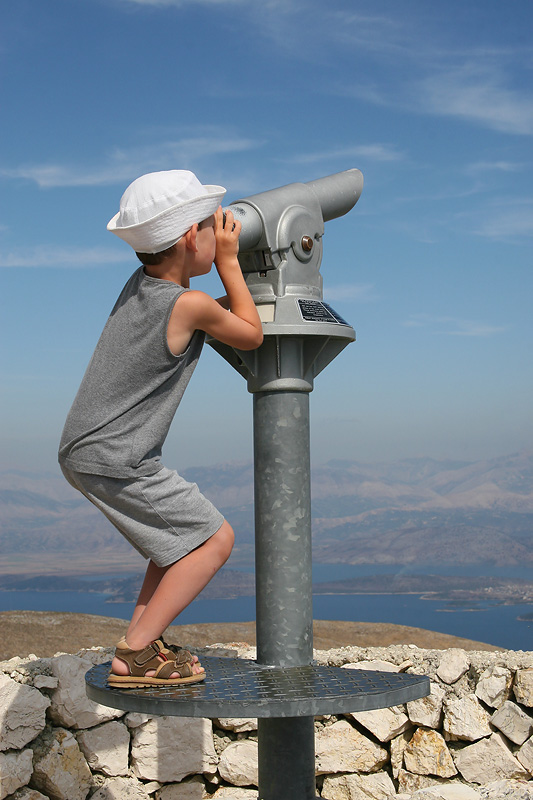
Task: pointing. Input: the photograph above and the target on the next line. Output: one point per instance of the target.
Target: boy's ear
(190, 238)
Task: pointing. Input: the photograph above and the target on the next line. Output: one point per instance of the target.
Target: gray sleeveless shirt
(132, 387)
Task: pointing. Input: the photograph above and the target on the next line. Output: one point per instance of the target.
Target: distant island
(456, 592)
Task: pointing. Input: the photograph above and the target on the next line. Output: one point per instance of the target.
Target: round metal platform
(241, 688)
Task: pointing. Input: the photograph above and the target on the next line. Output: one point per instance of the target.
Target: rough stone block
(168, 749)
(506, 790)
(237, 724)
(376, 664)
(427, 754)
(494, 686)
(70, 705)
(22, 713)
(191, 789)
(238, 763)
(455, 791)
(397, 749)
(342, 748)
(383, 723)
(376, 786)
(465, 719)
(60, 770)
(511, 720)
(453, 665)
(28, 794)
(525, 755)
(121, 789)
(428, 710)
(409, 782)
(106, 748)
(488, 760)
(16, 768)
(523, 687)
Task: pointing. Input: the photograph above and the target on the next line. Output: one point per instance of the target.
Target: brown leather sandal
(155, 657)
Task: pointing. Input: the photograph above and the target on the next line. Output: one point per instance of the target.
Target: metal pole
(284, 614)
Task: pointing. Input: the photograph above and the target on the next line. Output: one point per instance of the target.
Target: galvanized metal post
(284, 614)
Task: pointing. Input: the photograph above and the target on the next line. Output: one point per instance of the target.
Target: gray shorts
(163, 516)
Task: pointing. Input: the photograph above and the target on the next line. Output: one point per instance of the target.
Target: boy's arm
(232, 319)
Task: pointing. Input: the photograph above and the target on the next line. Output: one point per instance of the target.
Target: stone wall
(471, 739)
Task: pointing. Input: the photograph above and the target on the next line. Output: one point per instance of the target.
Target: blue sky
(433, 267)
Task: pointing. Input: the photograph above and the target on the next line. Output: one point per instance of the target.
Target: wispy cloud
(125, 164)
(361, 292)
(482, 167)
(63, 257)
(370, 152)
(478, 93)
(452, 326)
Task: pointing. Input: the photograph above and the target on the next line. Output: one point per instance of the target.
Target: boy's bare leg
(167, 591)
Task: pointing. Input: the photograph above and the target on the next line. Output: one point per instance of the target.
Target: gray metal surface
(284, 610)
(242, 688)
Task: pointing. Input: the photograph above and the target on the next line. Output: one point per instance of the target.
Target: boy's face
(206, 246)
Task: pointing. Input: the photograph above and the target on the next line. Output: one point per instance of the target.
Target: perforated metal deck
(240, 688)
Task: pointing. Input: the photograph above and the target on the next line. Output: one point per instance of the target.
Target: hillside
(422, 511)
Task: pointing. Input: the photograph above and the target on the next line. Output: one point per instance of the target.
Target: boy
(111, 445)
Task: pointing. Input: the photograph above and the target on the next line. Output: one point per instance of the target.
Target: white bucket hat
(158, 208)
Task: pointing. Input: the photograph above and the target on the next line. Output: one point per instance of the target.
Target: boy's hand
(227, 239)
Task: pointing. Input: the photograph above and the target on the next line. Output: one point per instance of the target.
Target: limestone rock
(507, 790)
(377, 786)
(22, 713)
(428, 710)
(465, 719)
(106, 748)
(376, 664)
(427, 754)
(232, 793)
(191, 789)
(341, 748)
(45, 682)
(167, 749)
(494, 686)
(397, 749)
(454, 791)
(28, 794)
(525, 755)
(488, 760)
(237, 724)
(383, 723)
(60, 770)
(511, 720)
(453, 665)
(409, 782)
(70, 705)
(15, 771)
(238, 763)
(523, 687)
(121, 789)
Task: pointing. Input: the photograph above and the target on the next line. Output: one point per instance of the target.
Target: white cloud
(477, 93)
(123, 165)
(362, 292)
(480, 167)
(452, 326)
(371, 152)
(64, 257)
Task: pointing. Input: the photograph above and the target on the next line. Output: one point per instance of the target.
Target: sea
(493, 624)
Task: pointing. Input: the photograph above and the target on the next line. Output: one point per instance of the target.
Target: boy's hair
(154, 259)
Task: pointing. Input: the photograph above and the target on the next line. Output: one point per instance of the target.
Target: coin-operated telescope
(280, 253)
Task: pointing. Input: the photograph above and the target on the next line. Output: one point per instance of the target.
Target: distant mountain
(418, 510)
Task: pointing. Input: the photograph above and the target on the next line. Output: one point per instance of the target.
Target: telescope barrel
(252, 224)
(338, 193)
